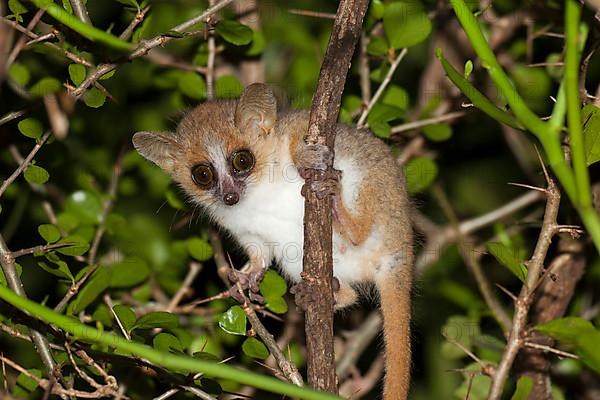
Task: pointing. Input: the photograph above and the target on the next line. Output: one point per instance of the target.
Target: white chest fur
(269, 220)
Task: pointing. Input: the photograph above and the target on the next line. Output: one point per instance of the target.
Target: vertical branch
(14, 282)
(317, 261)
(535, 267)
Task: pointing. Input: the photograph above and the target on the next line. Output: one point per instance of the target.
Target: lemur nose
(231, 198)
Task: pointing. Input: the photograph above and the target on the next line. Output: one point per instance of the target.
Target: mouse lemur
(242, 161)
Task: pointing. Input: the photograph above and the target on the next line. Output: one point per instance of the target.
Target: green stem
(582, 182)
(488, 60)
(478, 99)
(88, 31)
(166, 360)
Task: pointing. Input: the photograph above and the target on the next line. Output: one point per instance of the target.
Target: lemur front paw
(314, 156)
(303, 295)
(326, 184)
(248, 281)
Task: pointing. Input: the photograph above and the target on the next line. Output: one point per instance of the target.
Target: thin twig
(106, 208)
(145, 46)
(23, 166)
(428, 121)
(551, 350)
(139, 17)
(22, 40)
(14, 282)
(287, 368)
(535, 267)
(193, 271)
(309, 13)
(210, 63)
(80, 11)
(473, 264)
(43, 248)
(382, 87)
(357, 343)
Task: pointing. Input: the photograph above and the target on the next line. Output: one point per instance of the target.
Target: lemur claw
(247, 280)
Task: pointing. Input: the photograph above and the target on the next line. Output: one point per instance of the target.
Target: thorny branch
(535, 267)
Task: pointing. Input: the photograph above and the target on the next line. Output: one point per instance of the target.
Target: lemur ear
(161, 149)
(256, 109)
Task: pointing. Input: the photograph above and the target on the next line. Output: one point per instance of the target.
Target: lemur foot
(304, 295)
(326, 184)
(314, 156)
(247, 280)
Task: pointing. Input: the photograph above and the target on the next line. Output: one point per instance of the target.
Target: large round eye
(202, 175)
(242, 161)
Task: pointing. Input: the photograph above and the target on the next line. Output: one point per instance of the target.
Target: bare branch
(382, 87)
(14, 282)
(317, 272)
(23, 166)
(535, 267)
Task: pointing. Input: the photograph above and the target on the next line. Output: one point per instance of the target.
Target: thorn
(548, 180)
(507, 292)
(528, 187)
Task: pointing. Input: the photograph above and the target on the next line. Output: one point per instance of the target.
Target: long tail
(394, 293)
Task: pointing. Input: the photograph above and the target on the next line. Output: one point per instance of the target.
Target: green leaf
(524, 387)
(438, 132)
(258, 44)
(566, 330)
(174, 200)
(166, 342)
(405, 23)
(107, 75)
(199, 249)
(45, 86)
(19, 74)
(381, 129)
(61, 270)
(460, 329)
(125, 315)
(384, 113)
(85, 206)
(378, 46)
(36, 175)
(77, 73)
(67, 221)
(234, 32)
(273, 285)
(94, 288)
(228, 87)
(579, 334)
(174, 34)
(376, 9)
(233, 321)
(16, 7)
(591, 133)
(508, 258)
(49, 233)
(420, 173)
(94, 98)
(210, 386)
(396, 96)
(254, 348)
(277, 304)
(79, 246)
(272, 288)
(157, 319)
(192, 85)
(468, 69)
(31, 128)
(129, 272)
(27, 383)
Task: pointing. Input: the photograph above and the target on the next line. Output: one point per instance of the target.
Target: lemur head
(219, 149)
